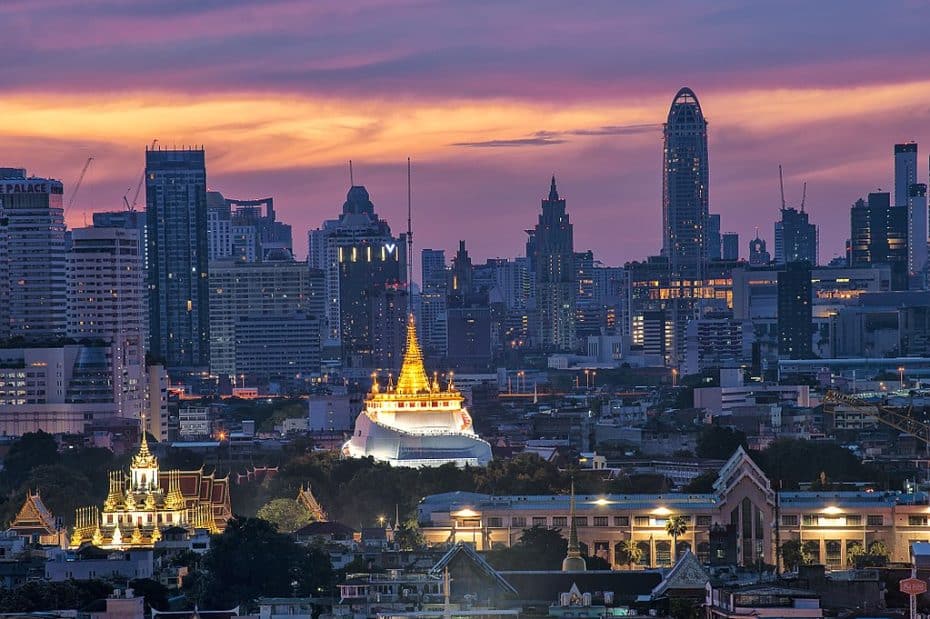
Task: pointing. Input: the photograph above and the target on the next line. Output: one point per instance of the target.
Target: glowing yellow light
(832, 510)
(602, 501)
(661, 511)
(465, 513)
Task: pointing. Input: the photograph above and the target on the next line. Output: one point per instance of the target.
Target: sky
(488, 97)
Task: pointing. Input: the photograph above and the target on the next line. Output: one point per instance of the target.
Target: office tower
(795, 311)
(176, 220)
(758, 256)
(796, 239)
(462, 275)
(905, 171)
(107, 301)
(219, 227)
(357, 245)
(555, 274)
(433, 302)
(730, 245)
(33, 299)
(878, 235)
(713, 236)
(265, 319)
(917, 228)
(684, 186)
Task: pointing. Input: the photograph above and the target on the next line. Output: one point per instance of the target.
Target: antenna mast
(351, 175)
(409, 231)
(781, 184)
(803, 196)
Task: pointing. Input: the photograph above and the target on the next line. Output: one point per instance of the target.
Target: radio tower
(409, 233)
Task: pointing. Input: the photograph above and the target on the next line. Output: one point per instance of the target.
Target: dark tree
(718, 442)
(251, 559)
(539, 548)
(32, 450)
(701, 484)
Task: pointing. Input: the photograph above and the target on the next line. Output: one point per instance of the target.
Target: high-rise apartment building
(357, 249)
(917, 229)
(796, 239)
(905, 171)
(713, 236)
(685, 186)
(795, 311)
(265, 319)
(176, 220)
(245, 229)
(730, 246)
(555, 274)
(107, 301)
(878, 235)
(33, 297)
(433, 316)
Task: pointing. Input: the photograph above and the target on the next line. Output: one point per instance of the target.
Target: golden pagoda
(140, 506)
(416, 422)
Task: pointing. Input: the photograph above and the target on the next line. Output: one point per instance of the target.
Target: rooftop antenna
(409, 231)
(781, 184)
(351, 175)
(803, 196)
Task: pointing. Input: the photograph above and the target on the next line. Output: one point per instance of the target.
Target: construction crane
(131, 206)
(77, 185)
(901, 421)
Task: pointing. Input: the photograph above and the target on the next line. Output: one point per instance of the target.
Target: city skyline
(556, 96)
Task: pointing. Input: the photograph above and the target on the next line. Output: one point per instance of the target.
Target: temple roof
(34, 516)
(144, 458)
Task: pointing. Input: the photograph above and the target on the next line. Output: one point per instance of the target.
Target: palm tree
(630, 553)
(676, 526)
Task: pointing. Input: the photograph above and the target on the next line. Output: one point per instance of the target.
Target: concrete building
(265, 319)
(735, 523)
(905, 171)
(730, 246)
(433, 303)
(713, 341)
(33, 281)
(879, 235)
(796, 239)
(107, 302)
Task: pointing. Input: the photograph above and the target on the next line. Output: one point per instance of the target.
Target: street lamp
(901, 375)
(674, 377)
(381, 520)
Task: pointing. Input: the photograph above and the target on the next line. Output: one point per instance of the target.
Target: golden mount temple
(416, 422)
(139, 507)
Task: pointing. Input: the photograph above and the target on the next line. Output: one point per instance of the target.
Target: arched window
(703, 552)
(646, 559)
(663, 552)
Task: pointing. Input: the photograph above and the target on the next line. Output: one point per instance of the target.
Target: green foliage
(408, 535)
(32, 450)
(155, 593)
(702, 484)
(794, 554)
(824, 463)
(251, 559)
(539, 548)
(38, 596)
(286, 514)
(854, 552)
(640, 483)
(719, 442)
(676, 526)
(684, 608)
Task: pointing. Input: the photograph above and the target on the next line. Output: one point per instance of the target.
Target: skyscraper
(905, 171)
(796, 239)
(730, 246)
(33, 299)
(357, 249)
(713, 236)
(684, 186)
(758, 255)
(795, 311)
(555, 274)
(878, 235)
(433, 304)
(107, 301)
(176, 220)
(917, 228)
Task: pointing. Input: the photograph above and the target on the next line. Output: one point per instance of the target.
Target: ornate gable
(34, 517)
(687, 575)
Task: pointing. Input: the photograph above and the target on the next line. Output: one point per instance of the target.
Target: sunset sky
(489, 98)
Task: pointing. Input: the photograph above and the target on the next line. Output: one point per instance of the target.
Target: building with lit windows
(735, 523)
(138, 508)
(416, 422)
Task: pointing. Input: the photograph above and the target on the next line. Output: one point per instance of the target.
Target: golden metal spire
(144, 459)
(413, 378)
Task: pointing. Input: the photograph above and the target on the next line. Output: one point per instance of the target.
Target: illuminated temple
(139, 507)
(416, 422)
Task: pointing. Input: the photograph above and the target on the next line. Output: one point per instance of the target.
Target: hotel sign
(29, 185)
(912, 586)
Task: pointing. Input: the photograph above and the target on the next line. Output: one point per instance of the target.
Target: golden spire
(413, 378)
(144, 459)
(573, 561)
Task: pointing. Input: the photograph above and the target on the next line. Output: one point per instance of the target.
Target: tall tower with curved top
(684, 186)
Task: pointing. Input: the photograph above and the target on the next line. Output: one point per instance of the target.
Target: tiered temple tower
(139, 507)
